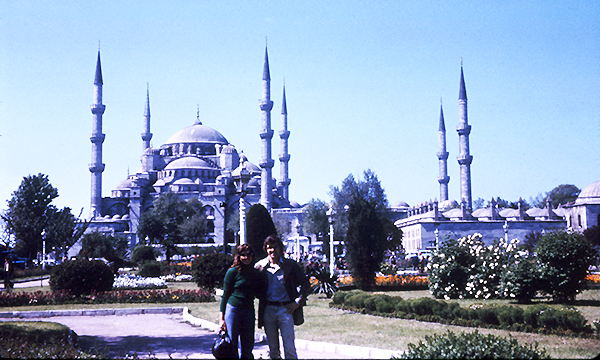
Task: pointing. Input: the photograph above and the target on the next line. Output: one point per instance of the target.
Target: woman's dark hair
(237, 261)
(273, 241)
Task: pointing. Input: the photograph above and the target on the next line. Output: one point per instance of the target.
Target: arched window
(579, 219)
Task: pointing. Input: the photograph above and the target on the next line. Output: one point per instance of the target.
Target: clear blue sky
(363, 80)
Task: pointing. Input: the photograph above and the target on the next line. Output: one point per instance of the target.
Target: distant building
(429, 223)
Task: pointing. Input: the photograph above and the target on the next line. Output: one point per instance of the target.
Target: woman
(241, 285)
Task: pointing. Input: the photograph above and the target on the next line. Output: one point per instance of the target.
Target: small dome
(197, 133)
(400, 205)
(125, 184)
(590, 194)
(159, 182)
(116, 217)
(295, 205)
(188, 162)
(447, 205)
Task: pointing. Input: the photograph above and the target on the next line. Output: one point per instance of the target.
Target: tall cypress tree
(259, 225)
(365, 241)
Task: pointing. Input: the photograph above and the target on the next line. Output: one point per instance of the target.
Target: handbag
(223, 347)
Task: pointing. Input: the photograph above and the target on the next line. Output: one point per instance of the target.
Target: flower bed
(391, 282)
(592, 281)
(10, 299)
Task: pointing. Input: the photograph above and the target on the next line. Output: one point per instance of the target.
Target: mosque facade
(195, 162)
(427, 224)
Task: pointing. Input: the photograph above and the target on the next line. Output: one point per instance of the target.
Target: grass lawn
(341, 327)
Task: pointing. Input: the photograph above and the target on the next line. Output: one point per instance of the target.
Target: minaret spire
(147, 135)
(97, 138)
(284, 157)
(442, 155)
(266, 134)
(464, 158)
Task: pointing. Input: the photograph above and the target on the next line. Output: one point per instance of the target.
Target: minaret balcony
(442, 155)
(97, 138)
(444, 180)
(465, 159)
(266, 134)
(98, 109)
(146, 136)
(285, 182)
(96, 168)
(464, 131)
(284, 158)
(267, 164)
(284, 134)
(266, 105)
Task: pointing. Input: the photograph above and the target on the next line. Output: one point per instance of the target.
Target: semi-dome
(188, 162)
(590, 194)
(125, 184)
(197, 133)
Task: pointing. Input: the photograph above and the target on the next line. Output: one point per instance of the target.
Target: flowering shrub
(466, 268)
(177, 277)
(13, 299)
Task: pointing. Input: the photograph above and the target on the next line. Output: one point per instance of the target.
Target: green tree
(565, 258)
(64, 230)
(98, 245)
(365, 241)
(172, 221)
(369, 188)
(259, 225)
(563, 194)
(28, 214)
(316, 222)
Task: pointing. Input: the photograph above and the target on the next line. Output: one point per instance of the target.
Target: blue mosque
(195, 162)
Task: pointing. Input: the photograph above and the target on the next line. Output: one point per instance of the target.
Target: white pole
(331, 250)
(242, 221)
(44, 254)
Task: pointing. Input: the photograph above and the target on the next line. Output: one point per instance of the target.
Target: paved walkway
(168, 333)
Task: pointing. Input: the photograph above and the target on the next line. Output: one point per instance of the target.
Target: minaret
(147, 135)
(284, 157)
(442, 155)
(464, 157)
(266, 134)
(97, 138)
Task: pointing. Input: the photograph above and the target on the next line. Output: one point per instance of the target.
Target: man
(281, 308)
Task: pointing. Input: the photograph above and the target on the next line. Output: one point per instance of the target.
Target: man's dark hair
(273, 241)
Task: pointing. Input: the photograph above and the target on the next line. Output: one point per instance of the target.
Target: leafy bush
(209, 270)
(338, 297)
(471, 346)
(565, 257)
(143, 253)
(539, 317)
(521, 280)
(150, 269)
(82, 277)
(29, 339)
(449, 269)
(357, 299)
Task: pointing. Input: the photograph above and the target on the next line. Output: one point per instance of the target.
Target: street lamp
(330, 214)
(505, 226)
(437, 239)
(241, 177)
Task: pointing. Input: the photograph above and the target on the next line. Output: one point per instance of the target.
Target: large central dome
(197, 133)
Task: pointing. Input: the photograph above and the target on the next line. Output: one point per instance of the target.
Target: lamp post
(505, 226)
(241, 177)
(437, 240)
(330, 214)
